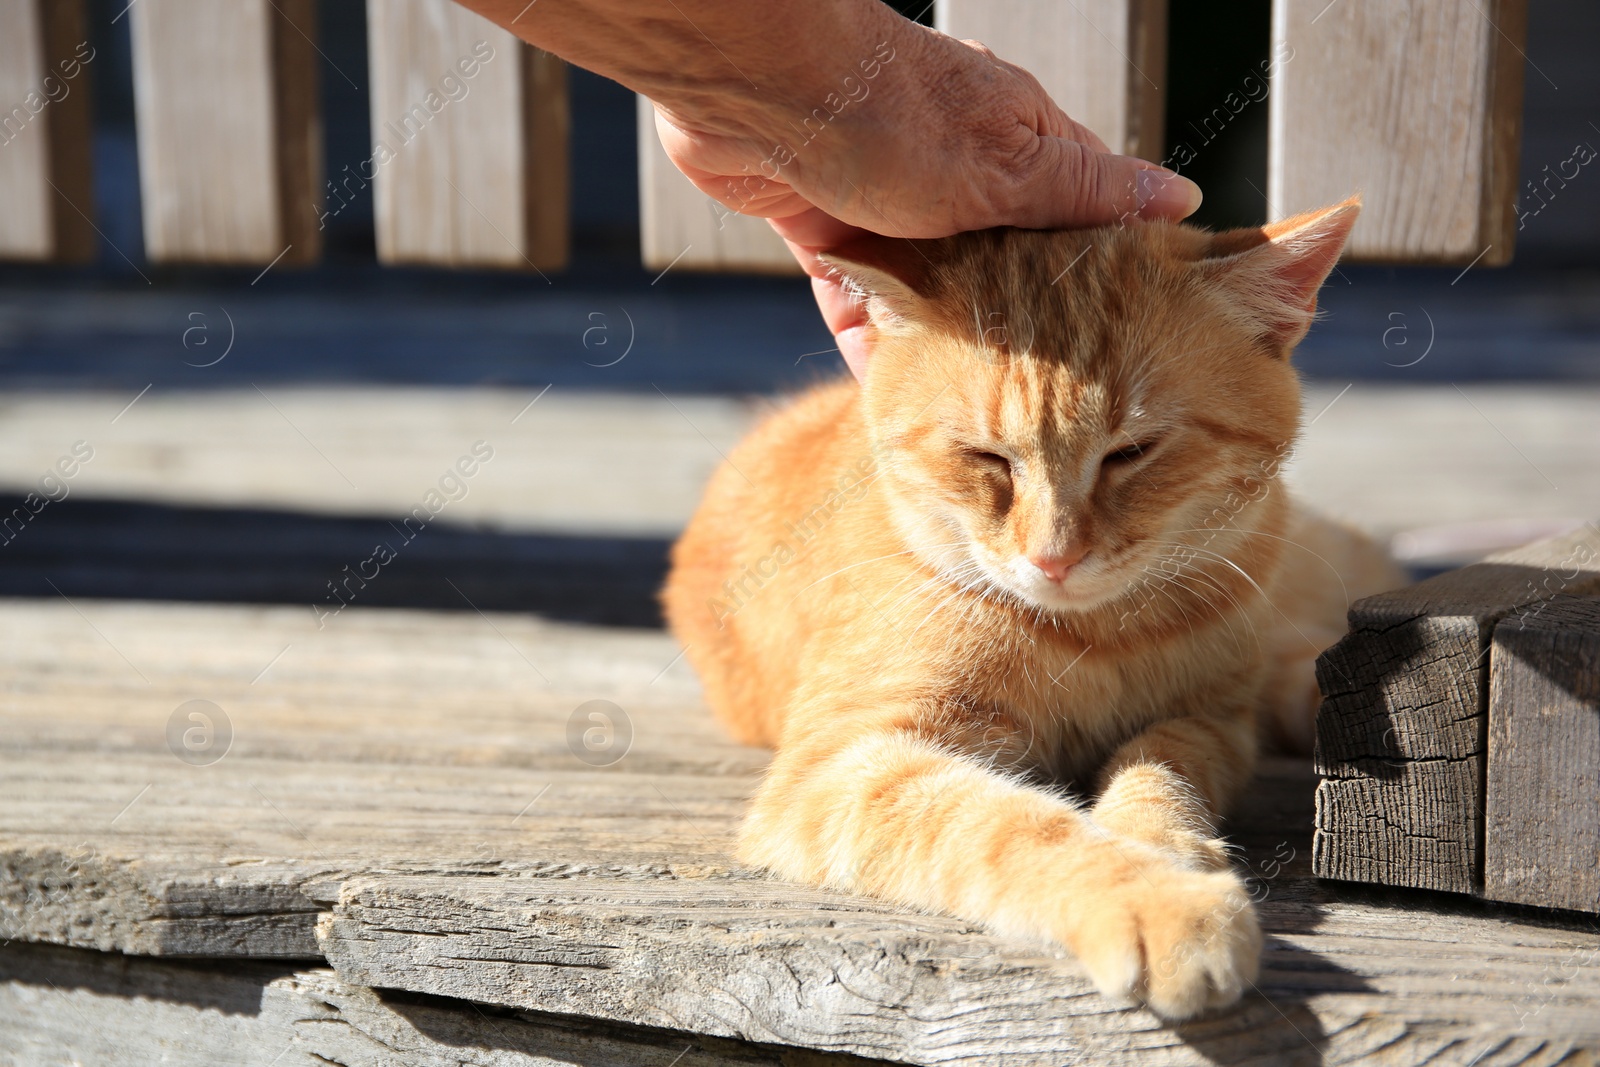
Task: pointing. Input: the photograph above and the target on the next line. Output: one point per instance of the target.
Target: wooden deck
(401, 808)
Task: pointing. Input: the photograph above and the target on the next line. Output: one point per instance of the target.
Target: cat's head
(1053, 412)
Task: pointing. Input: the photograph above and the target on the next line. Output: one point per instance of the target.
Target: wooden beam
(684, 229)
(45, 170)
(1542, 843)
(1415, 104)
(230, 155)
(469, 130)
(1401, 733)
(1103, 61)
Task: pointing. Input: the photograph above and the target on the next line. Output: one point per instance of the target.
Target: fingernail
(1165, 195)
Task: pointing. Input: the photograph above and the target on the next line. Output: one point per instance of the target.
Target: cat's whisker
(1182, 569)
(1181, 579)
(927, 584)
(1177, 604)
(1344, 590)
(863, 563)
(936, 609)
(940, 582)
(1314, 646)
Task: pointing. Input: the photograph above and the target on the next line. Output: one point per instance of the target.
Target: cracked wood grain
(1401, 734)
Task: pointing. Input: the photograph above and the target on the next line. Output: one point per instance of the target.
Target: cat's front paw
(1179, 940)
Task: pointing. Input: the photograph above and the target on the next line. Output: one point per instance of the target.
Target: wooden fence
(1415, 103)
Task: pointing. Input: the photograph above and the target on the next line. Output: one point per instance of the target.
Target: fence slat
(45, 178)
(1414, 103)
(229, 149)
(683, 228)
(1103, 61)
(469, 129)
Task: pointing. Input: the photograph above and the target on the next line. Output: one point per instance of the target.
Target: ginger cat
(1004, 608)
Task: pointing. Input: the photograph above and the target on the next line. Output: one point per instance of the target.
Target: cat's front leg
(888, 803)
(1169, 785)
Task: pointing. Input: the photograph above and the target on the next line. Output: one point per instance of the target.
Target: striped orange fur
(1005, 610)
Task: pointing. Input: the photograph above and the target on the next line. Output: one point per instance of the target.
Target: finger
(844, 315)
(840, 310)
(718, 170)
(813, 230)
(1055, 122)
(1069, 184)
(855, 350)
(846, 319)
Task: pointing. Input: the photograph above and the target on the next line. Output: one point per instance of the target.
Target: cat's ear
(888, 274)
(1273, 272)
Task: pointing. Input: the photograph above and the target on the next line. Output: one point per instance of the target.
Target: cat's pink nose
(1057, 565)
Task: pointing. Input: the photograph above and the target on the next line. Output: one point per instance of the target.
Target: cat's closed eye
(991, 460)
(1125, 457)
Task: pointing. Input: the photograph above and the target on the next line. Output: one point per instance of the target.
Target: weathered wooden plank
(1542, 834)
(1400, 737)
(383, 740)
(230, 159)
(1417, 105)
(275, 841)
(577, 462)
(45, 177)
(1103, 61)
(777, 963)
(469, 129)
(70, 1005)
(681, 227)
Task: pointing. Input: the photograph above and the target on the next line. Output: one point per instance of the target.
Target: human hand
(946, 137)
